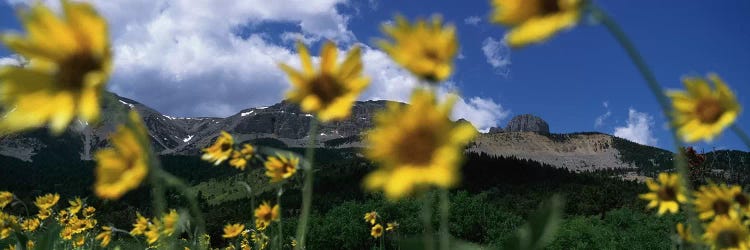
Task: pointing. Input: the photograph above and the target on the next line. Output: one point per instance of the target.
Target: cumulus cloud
(599, 121)
(638, 128)
(497, 54)
(13, 60)
(472, 20)
(203, 58)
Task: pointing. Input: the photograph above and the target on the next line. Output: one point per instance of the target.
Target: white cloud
(473, 20)
(497, 54)
(292, 37)
(599, 121)
(187, 57)
(12, 60)
(638, 128)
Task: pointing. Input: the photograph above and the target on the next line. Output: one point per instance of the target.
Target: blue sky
(222, 60)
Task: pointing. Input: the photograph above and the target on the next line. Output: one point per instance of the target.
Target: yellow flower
(264, 214)
(727, 233)
(75, 205)
(30, 225)
(416, 146)
(122, 168)
(66, 233)
(426, 48)
(245, 244)
(293, 243)
(667, 194)
(105, 236)
(7, 222)
(701, 113)
(371, 217)
(88, 212)
(152, 233)
(376, 231)
(740, 198)
(281, 167)
(70, 61)
(233, 230)
(714, 201)
(391, 226)
(44, 214)
(140, 225)
(535, 20)
(46, 201)
(260, 239)
(29, 244)
(220, 150)
(170, 222)
(79, 241)
(684, 232)
(90, 223)
(5, 198)
(330, 92)
(240, 158)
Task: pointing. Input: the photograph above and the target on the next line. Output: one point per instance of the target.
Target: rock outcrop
(527, 123)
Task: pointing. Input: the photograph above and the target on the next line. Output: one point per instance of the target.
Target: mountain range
(284, 124)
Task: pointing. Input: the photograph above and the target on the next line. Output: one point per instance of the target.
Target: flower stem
(740, 133)
(427, 221)
(280, 238)
(445, 210)
(653, 85)
(307, 189)
(189, 195)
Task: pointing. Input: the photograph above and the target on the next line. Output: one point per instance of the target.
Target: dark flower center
(418, 146)
(741, 199)
(225, 147)
(727, 239)
(709, 110)
(667, 194)
(73, 70)
(327, 88)
(548, 7)
(721, 207)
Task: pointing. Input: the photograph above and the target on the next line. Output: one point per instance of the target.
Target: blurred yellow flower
(714, 201)
(79, 241)
(66, 233)
(105, 236)
(376, 231)
(416, 146)
(30, 225)
(140, 225)
(75, 205)
(44, 214)
(264, 214)
(30, 244)
(667, 194)
(684, 232)
(702, 113)
(152, 232)
(281, 167)
(534, 21)
(240, 157)
(740, 198)
(391, 226)
(70, 61)
(426, 48)
(727, 233)
(293, 243)
(46, 201)
(332, 90)
(5, 198)
(233, 230)
(123, 167)
(371, 217)
(7, 222)
(88, 211)
(170, 221)
(220, 150)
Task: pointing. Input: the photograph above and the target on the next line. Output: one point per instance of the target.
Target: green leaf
(541, 226)
(455, 244)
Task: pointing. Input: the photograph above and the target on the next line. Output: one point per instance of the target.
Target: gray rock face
(527, 123)
(495, 130)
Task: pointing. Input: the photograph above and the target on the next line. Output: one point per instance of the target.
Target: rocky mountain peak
(527, 123)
